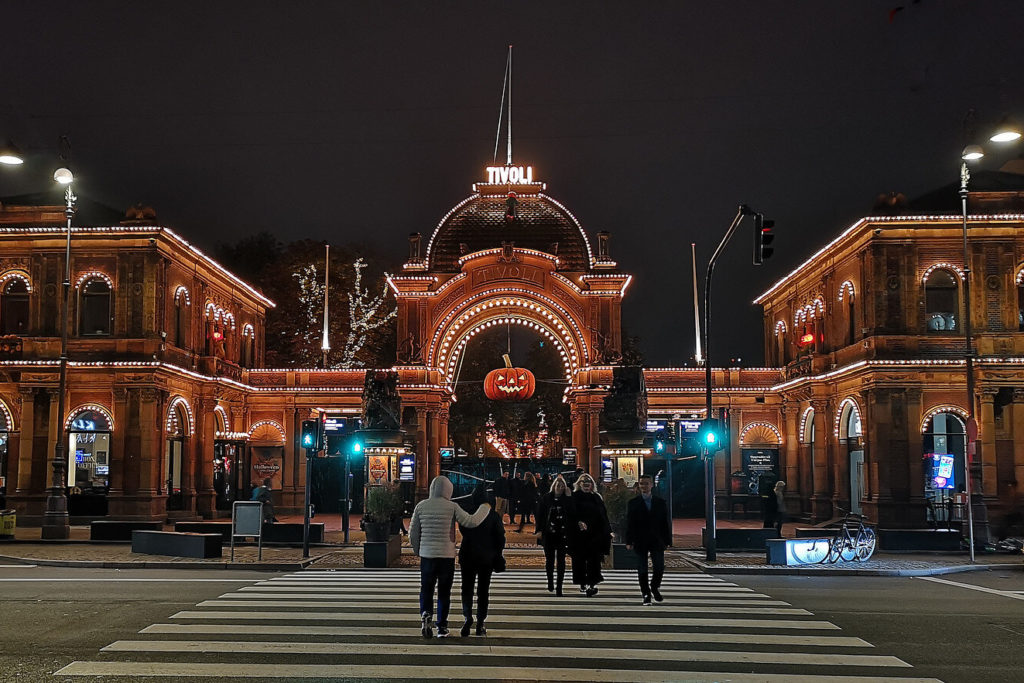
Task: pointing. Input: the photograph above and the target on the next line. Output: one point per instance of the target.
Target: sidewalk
(522, 553)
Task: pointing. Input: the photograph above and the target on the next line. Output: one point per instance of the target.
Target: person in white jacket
(432, 533)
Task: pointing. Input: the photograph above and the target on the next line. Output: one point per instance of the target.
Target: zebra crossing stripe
(580, 619)
(461, 647)
(411, 598)
(324, 604)
(510, 634)
(416, 672)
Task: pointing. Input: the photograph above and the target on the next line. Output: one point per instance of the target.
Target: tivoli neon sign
(509, 175)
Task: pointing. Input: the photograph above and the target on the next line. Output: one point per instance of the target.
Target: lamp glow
(1006, 131)
(63, 176)
(10, 155)
(972, 153)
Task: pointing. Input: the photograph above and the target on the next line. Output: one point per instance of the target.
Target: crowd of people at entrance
(570, 520)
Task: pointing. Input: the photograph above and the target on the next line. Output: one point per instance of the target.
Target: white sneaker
(426, 628)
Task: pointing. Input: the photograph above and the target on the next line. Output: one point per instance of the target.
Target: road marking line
(17, 566)
(993, 591)
(461, 672)
(411, 598)
(511, 634)
(152, 581)
(459, 648)
(415, 584)
(414, 591)
(522, 608)
(807, 624)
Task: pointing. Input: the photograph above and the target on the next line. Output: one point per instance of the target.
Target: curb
(145, 564)
(806, 571)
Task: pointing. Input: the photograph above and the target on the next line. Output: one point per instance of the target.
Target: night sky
(363, 122)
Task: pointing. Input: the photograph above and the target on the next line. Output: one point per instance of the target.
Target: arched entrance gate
(507, 254)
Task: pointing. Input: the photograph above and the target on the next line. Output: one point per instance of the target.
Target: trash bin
(7, 524)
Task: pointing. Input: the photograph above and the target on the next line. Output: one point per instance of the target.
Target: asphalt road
(946, 628)
(941, 625)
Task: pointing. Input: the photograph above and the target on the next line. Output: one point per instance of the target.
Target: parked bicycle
(854, 540)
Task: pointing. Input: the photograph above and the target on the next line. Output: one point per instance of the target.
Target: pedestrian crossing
(364, 625)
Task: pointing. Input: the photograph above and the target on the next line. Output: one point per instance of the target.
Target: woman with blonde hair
(555, 518)
(591, 535)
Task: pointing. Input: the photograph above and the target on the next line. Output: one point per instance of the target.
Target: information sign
(407, 468)
(569, 456)
(447, 452)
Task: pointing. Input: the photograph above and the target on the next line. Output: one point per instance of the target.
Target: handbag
(499, 564)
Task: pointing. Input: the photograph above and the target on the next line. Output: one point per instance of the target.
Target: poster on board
(266, 462)
(629, 470)
(377, 467)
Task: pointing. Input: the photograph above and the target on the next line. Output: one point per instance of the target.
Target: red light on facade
(806, 339)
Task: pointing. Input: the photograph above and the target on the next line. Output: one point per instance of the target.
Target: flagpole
(325, 344)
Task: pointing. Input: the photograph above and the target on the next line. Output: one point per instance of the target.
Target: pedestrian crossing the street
(364, 625)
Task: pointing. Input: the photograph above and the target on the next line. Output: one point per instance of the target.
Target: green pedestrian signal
(308, 438)
(710, 435)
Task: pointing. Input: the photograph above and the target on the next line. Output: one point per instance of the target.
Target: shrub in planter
(617, 495)
(383, 506)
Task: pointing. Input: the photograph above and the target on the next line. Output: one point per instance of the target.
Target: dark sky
(366, 121)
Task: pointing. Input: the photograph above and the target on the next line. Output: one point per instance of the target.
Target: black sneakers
(647, 601)
(657, 595)
(466, 627)
(480, 630)
(592, 591)
(426, 628)
(442, 632)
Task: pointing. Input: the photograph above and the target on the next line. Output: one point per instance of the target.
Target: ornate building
(171, 414)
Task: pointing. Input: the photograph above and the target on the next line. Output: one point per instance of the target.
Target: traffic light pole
(709, 457)
(345, 506)
(306, 500)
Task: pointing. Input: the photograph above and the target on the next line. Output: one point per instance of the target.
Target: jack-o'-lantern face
(509, 384)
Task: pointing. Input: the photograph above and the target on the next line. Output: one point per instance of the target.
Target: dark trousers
(586, 569)
(439, 571)
(657, 564)
(478, 577)
(525, 512)
(553, 552)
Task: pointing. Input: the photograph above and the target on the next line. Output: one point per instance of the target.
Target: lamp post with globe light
(1006, 131)
(55, 516)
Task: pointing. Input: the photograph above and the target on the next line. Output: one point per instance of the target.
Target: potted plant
(383, 506)
(616, 496)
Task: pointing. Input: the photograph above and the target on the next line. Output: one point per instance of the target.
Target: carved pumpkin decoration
(509, 383)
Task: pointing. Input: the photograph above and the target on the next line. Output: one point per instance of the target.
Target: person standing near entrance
(502, 492)
(648, 532)
(528, 501)
(778, 494)
(432, 534)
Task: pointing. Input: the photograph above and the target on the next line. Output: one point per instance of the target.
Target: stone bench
(278, 532)
(119, 530)
(816, 532)
(740, 540)
(176, 544)
(918, 539)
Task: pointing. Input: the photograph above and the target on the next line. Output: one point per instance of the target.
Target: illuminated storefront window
(88, 462)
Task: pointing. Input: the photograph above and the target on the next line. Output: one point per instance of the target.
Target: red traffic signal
(763, 237)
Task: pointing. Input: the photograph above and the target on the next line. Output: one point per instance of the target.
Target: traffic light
(659, 446)
(763, 238)
(310, 434)
(710, 435)
(355, 447)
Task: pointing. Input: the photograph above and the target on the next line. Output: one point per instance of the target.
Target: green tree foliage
(293, 332)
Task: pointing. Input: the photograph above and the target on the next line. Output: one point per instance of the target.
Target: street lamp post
(55, 516)
(1007, 131)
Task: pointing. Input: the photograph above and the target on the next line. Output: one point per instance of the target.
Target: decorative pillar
(821, 504)
(422, 457)
(914, 453)
(118, 456)
(23, 487)
(1018, 445)
(987, 429)
(790, 414)
(578, 434)
(594, 442)
(201, 457)
(433, 438)
(442, 425)
(150, 502)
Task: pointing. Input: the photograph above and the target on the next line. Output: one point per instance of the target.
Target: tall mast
(325, 345)
(509, 161)
(696, 306)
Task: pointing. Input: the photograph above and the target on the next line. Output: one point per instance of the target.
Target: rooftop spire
(506, 87)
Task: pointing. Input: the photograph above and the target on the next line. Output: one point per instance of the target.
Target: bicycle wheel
(848, 550)
(835, 546)
(866, 544)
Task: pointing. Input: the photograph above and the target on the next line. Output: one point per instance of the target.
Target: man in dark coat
(648, 532)
(502, 492)
(515, 491)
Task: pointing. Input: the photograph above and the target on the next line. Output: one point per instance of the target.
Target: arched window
(1020, 301)
(248, 343)
(95, 307)
(945, 442)
(88, 431)
(182, 317)
(5, 427)
(780, 343)
(14, 307)
(941, 301)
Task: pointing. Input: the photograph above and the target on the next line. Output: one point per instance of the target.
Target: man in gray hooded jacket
(432, 533)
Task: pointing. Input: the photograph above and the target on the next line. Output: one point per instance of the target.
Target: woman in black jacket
(480, 550)
(591, 537)
(555, 517)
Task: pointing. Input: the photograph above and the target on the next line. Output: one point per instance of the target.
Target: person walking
(515, 489)
(263, 495)
(591, 535)
(528, 501)
(648, 532)
(432, 534)
(502, 492)
(555, 517)
(480, 550)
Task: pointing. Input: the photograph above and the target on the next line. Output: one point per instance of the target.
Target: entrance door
(172, 477)
(856, 480)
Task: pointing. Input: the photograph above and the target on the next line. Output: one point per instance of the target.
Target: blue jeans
(440, 571)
